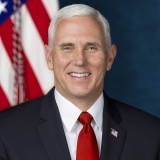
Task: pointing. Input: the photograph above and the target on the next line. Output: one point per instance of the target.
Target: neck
(82, 102)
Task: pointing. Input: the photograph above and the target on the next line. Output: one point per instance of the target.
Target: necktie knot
(85, 118)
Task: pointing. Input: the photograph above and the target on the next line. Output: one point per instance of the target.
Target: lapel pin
(114, 132)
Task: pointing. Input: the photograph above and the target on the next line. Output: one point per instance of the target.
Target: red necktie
(87, 148)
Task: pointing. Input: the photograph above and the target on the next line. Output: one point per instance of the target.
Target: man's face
(79, 58)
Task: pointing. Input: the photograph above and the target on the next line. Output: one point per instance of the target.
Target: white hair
(78, 10)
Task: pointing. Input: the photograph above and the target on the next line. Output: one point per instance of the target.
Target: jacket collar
(112, 145)
(52, 128)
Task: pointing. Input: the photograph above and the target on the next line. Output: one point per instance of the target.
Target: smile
(79, 75)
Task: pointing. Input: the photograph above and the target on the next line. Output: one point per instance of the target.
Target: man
(76, 120)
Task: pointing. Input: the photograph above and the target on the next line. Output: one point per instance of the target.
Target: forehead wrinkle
(85, 44)
(75, 35)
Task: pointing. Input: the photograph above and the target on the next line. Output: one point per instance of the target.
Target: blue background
(135, 29)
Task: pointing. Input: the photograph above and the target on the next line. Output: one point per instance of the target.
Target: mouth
(79, 75)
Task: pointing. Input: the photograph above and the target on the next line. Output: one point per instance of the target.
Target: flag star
(3, 7)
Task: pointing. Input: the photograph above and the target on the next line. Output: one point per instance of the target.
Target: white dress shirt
(69, 115)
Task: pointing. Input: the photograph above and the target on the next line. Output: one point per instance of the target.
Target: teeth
(79, 75)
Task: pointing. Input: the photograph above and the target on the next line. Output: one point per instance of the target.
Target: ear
(111, 56)
(48, 56)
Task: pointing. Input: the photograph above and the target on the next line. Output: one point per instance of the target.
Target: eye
(67, 48)
(91, 48)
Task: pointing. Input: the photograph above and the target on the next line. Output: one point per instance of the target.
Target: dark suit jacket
(33, 131)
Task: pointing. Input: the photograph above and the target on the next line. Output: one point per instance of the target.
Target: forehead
(79, 26)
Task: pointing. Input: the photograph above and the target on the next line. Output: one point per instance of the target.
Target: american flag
(23, 32)
(114, 132)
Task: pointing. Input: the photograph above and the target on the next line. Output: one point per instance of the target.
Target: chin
(80, 94)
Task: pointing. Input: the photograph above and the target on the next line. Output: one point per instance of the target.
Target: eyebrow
(93, 44)
(66, 44)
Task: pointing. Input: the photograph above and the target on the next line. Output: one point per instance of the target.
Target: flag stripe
(4, 101)
(33, 21)
(6, 36)
(31, 80)
(41, 26)
(7, 78)
(50, 8)
(35, 54)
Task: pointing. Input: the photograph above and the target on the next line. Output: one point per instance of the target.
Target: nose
(80, 58)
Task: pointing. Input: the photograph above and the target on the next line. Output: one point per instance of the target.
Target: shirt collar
(96, 110)
(70, 113)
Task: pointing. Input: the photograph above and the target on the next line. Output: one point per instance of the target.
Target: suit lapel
(51, 130)
(53, 137)
(111, 145)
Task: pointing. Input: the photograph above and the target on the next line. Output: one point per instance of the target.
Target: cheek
(99, 63)
(100, 70)
(60, 62)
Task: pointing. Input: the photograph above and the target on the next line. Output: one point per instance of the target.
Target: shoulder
(130, 111)
(20, 112)
(27, 113)
(135, 117)
(27, 109)
(142, 129)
